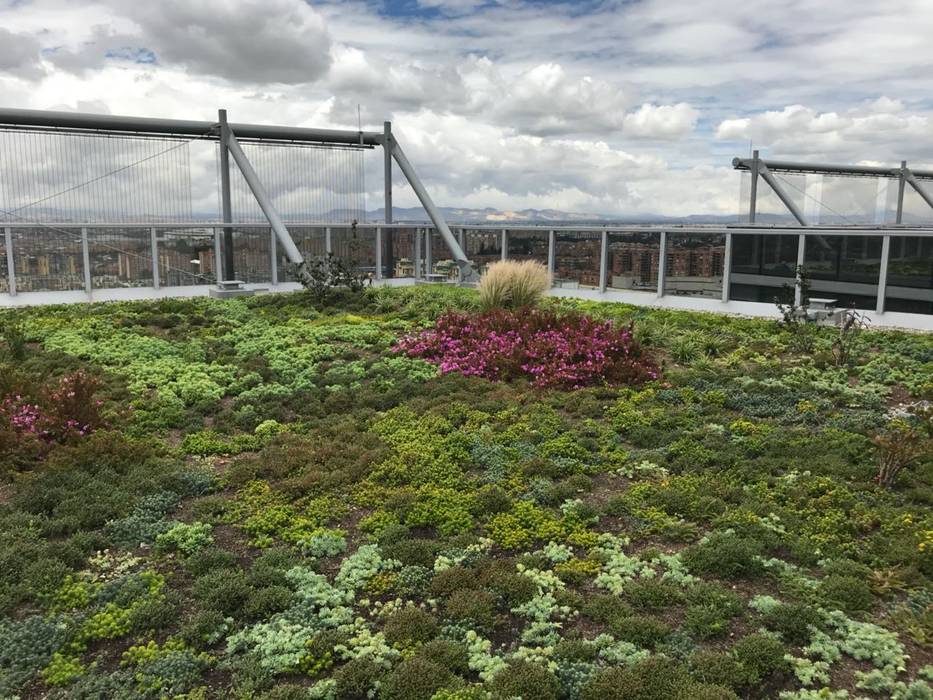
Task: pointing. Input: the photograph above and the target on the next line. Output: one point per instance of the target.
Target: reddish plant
(553, 350)
(65, 412)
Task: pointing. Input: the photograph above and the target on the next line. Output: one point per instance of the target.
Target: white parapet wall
(889, 319)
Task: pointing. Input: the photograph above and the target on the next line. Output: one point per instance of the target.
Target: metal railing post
(603, 260)
(504, 245)
(753, 192)
(218, 262)
(727, 269)
(155, 258)
(801, 258)
(86, 260)
(551, 252)
(417, 252)
(274, 258)
(883, 273)
(387, 167)
(10, 267)
(662, 263)
(328, 243)
(428, 252)
(379, 252)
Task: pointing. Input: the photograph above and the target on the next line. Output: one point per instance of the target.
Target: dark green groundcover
(272, 503)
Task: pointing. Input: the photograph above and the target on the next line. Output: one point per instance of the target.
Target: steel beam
(551, 252)
(182, 127)
(467, 271)
(912, 180)
(779, 191)
(504, 245)
(387, 168)
(827, 169)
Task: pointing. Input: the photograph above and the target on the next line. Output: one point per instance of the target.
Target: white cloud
(19, 55)
(661, 121)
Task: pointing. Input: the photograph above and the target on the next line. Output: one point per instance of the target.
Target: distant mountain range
(461, 215)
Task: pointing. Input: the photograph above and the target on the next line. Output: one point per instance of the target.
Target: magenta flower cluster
(563, 350)
(67, 411)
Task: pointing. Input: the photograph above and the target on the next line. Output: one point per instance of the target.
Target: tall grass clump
(510, 284)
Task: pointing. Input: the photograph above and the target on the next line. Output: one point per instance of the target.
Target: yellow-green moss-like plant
(510, 284)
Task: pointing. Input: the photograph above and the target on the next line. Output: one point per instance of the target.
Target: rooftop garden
(408, 494)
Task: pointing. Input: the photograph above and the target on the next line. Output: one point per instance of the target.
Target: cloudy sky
(615, 106)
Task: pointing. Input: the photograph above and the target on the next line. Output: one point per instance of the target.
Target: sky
(617, 107)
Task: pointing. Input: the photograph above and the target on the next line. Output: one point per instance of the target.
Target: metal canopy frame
(765, 168)
(229, 135)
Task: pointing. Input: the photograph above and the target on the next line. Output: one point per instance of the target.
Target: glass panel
(528, 245)
(252, 260)
(695, 265)
(910, 275)
(916, 210)
(633, 261)
(311, 243)
(844, 268)
(853, 200)
(356, 245)
(119, 257)
(47, 259)
(186, 256)
(577, 259)
(483, 247)
(770, 208)
(761, 265)
(442, 259)
(399, 256)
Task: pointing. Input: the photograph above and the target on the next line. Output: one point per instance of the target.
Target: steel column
(86, 261)
(603, 260)
(155, 258)
(727, 269)
(218, 271)
(417, 251)
(428, 253)
(226, 208)
(662, 263)
(883, 273)
(10, 268)
(901, 181)
(328, 242)
(801, 258)
(504, 245)
(551, 253)
(753, 192)
(379, 252)
(387, 168)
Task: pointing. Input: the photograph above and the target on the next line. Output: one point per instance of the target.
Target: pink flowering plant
(64, 412)
(560, 350)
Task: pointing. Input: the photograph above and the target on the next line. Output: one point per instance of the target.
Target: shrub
(711, 608)
(725, 554)
(762, 655)
(847, 593)
(472, 607)
(223, 590)
(355, 679)
(717, 668)
(447, 654)
(265, 602)
(410, 626)
(415, 679)
(413, 551)
(655, 678)
(522, 679)
(792, 621)
(510, 284)
(550, 349)
(644, 631)
(186, 538)
(653, 594)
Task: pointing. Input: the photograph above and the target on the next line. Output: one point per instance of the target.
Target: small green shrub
(447, 654)
(655, 678)
(357, 678)
(522, 679)
(410, 626)
(725, 554)
(641, 630)
(847, 593)
(762, 655)
(187, 538)
(473, 608)
(718, 668)
(511, 284)
(415, 679)
(792, 621)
